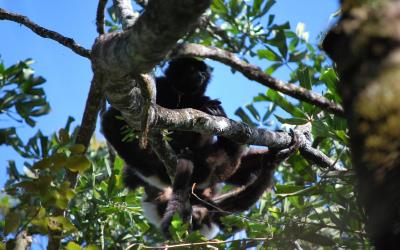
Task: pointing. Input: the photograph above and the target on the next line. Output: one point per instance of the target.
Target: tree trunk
(365, 45)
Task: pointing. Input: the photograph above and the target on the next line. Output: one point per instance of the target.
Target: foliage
(21, 99)
(308, 208)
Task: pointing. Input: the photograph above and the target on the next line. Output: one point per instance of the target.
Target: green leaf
(73, 246)
(269, 112)
(219, 7)
(272, 68)
(342, 135)
(257, 5)
(297, 56)
(269, 55)
(253, 111)
(293, 44)
(60, 223)
(77, 163)
(330, 78)
(267, 7)
(77, 149)
(284, 104)
(292, 121)
(284, 26)
(244, 117)
(260, 98)
(304, 77)
(91, 247)
(279, 41)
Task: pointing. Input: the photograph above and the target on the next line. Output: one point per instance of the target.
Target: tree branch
(100, 16)
(89, 118)
(43, 32)
(125, 13)
(198, 244)
(254, 73)
(140, 48)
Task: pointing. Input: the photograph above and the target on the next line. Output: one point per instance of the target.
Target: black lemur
(202, 160)
(254, 176)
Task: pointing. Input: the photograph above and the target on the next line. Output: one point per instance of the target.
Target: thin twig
(100, 16)
(164, 152)
(218, 33)
(148, 89)
(188, 245)
(43, 32)
(230, 194)
(206, 202)
(254, 73)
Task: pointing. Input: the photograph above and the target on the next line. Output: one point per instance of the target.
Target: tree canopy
(338, 191)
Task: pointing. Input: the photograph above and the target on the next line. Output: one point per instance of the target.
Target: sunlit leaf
(77, 163)
(73, 246)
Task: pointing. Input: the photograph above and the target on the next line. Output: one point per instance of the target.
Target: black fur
(255, 175)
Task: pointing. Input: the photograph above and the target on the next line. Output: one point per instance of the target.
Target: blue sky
(68, 75)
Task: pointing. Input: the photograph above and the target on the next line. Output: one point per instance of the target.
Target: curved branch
(254, 73)
(141, 47)
(43, 32)
(100, 16)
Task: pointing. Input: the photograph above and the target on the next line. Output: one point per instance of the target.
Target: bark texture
(366, 48)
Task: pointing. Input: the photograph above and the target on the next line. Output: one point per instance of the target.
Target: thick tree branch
(254, 73)
(141, 47)
(125, 13)
(100, 16)
(194, 120)
(43, 32)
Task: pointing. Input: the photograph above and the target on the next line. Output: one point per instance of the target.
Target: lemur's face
(189, 75)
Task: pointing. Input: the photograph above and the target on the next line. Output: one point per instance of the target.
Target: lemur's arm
(255, 174)
(143, 164)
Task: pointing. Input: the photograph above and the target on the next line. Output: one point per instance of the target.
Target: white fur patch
(150, 212)
(209, 231)
(153, 180)
(222, 124)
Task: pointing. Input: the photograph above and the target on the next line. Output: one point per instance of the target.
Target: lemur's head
(188, 75)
